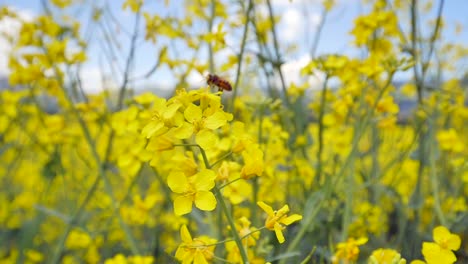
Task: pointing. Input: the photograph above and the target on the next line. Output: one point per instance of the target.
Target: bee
(215, 80)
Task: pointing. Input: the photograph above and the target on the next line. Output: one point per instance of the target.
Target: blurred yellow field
(190, 132)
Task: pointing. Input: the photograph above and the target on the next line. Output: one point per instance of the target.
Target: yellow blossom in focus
(193, 189)
(440, 252)
(278, 220)
(197, 250)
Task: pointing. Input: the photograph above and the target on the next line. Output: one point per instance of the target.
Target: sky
(298, 24)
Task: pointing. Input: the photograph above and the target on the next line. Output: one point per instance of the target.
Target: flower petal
(199, 258)
(205, 180)
(205, 201)
(216, 120)
(171, 110)
(266, 208)
(183, 131)
(206, 139)
(279, 233)
(177, 182)
(185, 234)
(192, 113)
(291, 219)
(182, 205)
(454, 242)
(445, 239)
(152, 128)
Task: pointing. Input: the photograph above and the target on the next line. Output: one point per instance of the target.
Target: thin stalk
(306, 225)
(375, 169)
(426, 64)
(210, 28)
(350, 189)
(317, 36)
(434, 182)
(277, 52)
(321, 129)
(329, 184)
(256, 187)
(241, 55)
(227, 213)
(230, 219)
(101, 174)
(130, 59)
(222, 158)
(99, 164)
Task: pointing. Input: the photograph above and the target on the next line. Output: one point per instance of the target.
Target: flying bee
(215, 80)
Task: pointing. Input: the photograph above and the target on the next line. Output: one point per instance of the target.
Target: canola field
(247, 168)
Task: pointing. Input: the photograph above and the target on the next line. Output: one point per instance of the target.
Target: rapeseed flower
(161, 113)
(386, 256)
(450, 141)
(278, 220)
(440, 252)
(348, 251)
(193, 189)
(253, 162)
(78, 239)
(197, 250)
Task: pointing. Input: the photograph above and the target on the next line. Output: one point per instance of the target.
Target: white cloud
(295, 2)
(92, 80)
(292, 73)
(314, 19)
(9, 28)
(292, 23)
(195, 79)
(296, 23)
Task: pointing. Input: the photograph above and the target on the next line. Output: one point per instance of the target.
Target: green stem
(321, 128)
(227, 213)
(222, 158)
(349, 190)
(230, 219)
(210, 28)
(241, 55)
(253, 205)
(434, 181)
(278, 63)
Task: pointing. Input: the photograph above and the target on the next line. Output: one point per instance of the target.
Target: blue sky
(292, 30)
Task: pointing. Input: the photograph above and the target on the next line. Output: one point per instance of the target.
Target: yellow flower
(198, 250)
(278, 220)
(253, 159)
(192, 189)
(61, 3)
(141, 259)
(387, 105)
(161, 114)
(198, 120)
(349, 250)
(34, 256)
(386, 256)
(449, 140)
(134, 5)
(440, 252)
(78, 240)
(117, 259)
